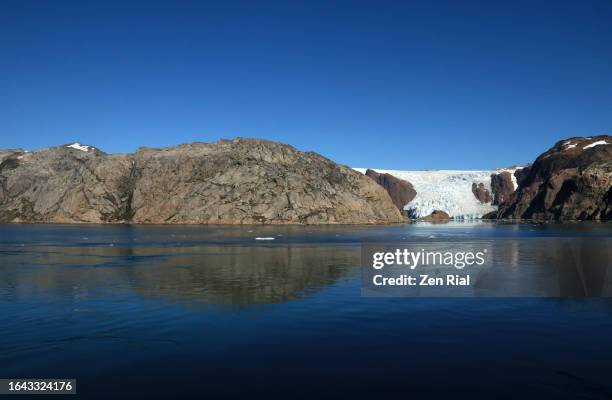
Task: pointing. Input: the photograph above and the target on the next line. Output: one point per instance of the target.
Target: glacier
(446, 190)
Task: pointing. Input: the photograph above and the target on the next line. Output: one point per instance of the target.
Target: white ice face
(449, 191)
(78, 146)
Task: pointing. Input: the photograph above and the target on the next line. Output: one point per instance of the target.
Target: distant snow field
(78, 146)
(449, 191)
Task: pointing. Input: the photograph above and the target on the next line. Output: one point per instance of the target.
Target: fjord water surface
(156, 311)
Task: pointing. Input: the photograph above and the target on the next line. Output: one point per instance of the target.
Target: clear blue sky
(457, 84)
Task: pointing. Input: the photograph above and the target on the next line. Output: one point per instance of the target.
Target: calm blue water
(210, 312)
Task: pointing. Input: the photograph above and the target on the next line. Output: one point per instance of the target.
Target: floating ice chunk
(78, 146)
(597, 143)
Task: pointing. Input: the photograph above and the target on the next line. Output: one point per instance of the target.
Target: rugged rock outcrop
(239, 181)
(481, 193)
(521, 173)
(570, 181)
(436, 216)
(502, 187)
(401, 191)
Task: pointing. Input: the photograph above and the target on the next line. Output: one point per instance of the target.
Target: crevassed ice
(446, 190)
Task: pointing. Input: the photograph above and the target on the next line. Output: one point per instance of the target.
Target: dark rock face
(239, 181)
(570, 181)
(436, 216)
(521, 173)
(502, 187)
(402, 192)
(481, 193)
(490, 215)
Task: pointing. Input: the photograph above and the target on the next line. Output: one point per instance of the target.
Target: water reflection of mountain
(226, 265)
(550, 267)
(245, 275)
(211, 273)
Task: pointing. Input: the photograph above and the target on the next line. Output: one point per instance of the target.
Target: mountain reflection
(211, 273)
(227, 265)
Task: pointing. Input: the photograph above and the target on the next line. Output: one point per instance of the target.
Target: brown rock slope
(481, 193)
(239, 181)
(570, 181)
(502, 187)
(402, 192)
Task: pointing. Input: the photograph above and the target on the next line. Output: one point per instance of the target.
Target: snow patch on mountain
(446, 190)
(569, 145)
(79, 146)
(598, 143)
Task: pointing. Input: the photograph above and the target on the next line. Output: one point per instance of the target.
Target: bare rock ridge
(570, 181)
(240, 181)
(402, 192)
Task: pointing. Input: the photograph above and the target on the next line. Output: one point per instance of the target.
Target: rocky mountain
(241, 181)
(401, 191)
(570, 181)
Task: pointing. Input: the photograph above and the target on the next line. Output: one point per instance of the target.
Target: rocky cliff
(521, 173)
(239, 181)
(502, 187)
(480, 192)
(570, 181)
(401, 191)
